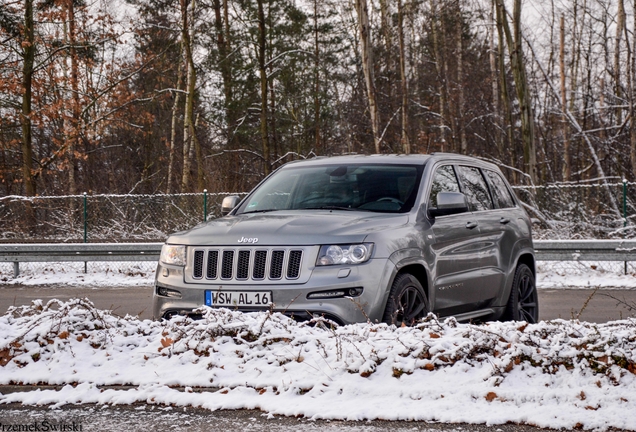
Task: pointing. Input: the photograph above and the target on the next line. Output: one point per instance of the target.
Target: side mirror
(228, 204)
(449, 203)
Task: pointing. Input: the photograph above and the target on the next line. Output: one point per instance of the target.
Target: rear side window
(444, 180)
(475, 189)
(500, 192)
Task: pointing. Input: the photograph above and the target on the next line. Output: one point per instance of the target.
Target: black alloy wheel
(523, 304)
(407, 301)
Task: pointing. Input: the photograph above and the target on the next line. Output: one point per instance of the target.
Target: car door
(504, 220)
(489, 278)
(455, 247)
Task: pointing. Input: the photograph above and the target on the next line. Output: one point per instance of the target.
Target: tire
(523, 303)
(407, 302)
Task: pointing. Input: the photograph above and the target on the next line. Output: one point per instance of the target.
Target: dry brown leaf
(63, 335)
(491, 396)
(166, 342)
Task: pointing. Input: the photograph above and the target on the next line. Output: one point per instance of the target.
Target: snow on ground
(550, 275)
(559, 374)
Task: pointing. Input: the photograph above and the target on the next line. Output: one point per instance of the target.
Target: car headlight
(344, 254)
(173, 254)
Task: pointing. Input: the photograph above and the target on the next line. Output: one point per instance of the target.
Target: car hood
(292, 228)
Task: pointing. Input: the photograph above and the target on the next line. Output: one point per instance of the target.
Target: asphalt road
(585, 304)
(143, 418)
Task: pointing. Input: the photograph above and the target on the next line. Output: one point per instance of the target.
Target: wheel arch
(529, 260)
(417, 270)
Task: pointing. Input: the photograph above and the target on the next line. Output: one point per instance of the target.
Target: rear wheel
(523, 303)
(407, 301)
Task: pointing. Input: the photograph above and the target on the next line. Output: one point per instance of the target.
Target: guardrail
(83, 252)
(545, 250)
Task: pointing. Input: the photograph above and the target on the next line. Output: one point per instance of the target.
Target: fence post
(85, 230)
(625, 211)
(205, 205)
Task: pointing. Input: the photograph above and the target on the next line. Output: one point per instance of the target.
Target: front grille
(293, 265)
(227, 265)
(276, 266)
(246, 264)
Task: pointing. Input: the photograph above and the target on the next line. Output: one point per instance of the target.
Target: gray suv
(385, 238)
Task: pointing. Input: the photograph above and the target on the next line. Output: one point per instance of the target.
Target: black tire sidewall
(401, 283)
(512, 307)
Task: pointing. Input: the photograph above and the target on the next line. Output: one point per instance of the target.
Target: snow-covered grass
(550, 274)
(560, 374)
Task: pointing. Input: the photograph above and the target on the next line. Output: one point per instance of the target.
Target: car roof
(391, 159)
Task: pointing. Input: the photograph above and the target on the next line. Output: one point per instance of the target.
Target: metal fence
(104, 218)
(559, 211)
(581, 210)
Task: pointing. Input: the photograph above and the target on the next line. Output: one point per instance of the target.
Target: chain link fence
(559, 211)
(581, 211)
(104, 218)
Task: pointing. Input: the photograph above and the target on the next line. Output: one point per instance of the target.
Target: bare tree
(514, 42)
(565, 126)
(406, 144)
(367, 68)
(264, 86)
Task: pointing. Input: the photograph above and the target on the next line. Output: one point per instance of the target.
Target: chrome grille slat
(246, 264)
(260, 263)
(276, 264)
(227, 265)
(293, 264)
(198, 264)
(243, 265)
(213, 264)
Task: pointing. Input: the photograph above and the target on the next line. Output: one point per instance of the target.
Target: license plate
(238, 298)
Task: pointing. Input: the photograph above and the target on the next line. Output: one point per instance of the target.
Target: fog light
(167, 292)
(355, 292)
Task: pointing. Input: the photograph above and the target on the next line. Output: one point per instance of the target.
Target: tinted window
(500, 192)
(475, 189)
(444, 180)
(380, 188)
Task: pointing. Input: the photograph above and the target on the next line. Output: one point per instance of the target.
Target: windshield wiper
(332, 208)
(259, 211)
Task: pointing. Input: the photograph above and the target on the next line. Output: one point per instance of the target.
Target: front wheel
(407, 301)
(523, 303)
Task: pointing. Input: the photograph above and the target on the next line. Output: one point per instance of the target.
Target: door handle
(471, 225)
(504, 220)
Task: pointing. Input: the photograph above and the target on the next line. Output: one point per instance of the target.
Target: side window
(475, 189)
(501, 193)
(444, 180)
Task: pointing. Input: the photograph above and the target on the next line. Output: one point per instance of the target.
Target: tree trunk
(264, 88)
(564, 103)
(505, 95)
(632, 102)
(173, 128)
(25, 117)
(317, 140)
(406, 144)
(367, 68)
(74, 130)
(521, 84)
(188, 124)
(441, 76)
(499, 137)
(460, 82)
(620, 24)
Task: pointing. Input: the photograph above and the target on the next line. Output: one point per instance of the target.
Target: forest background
(174, 96)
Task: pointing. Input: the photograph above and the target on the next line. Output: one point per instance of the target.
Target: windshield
(377, 188)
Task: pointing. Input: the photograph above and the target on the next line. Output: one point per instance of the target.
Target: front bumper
(373, 276)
